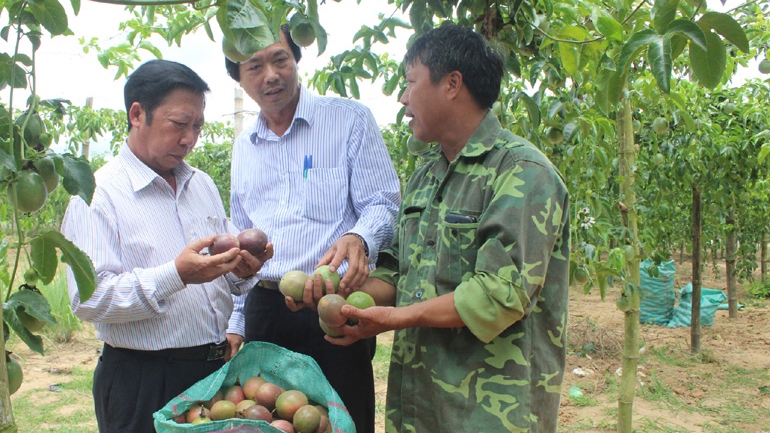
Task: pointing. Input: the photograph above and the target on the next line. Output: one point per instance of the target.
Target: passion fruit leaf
(78, 178)
(11, 319)
(709, 64)
(245, 25)
(81, 265)
(43, 254)
(51, 14)
(726, 26)
(7, 160)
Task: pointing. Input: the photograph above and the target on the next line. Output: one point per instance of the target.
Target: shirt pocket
(326, 194)
(408, 232)
(457, 248)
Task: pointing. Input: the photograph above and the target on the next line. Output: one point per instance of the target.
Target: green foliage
(759, 289)
(214, 160)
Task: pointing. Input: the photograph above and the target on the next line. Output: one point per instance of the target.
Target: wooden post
(87, 144)
(238, 121)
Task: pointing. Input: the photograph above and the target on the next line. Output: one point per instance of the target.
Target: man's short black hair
(452, 47)
(235, 73)
(152, 81)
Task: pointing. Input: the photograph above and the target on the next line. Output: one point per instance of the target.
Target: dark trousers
(129, 386)
(347, 368)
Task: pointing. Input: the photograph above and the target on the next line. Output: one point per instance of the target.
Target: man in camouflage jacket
(476, 281)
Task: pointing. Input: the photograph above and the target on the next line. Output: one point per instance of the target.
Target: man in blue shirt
(315, 175)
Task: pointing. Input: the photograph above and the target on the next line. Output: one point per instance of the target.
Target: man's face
(270, 78)
(422, 100)
(173, 133)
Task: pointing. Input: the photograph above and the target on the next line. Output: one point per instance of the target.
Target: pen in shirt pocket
(307, 166)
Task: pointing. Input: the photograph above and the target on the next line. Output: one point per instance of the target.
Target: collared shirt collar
(484, 137)
(305, 111)
(141, 175)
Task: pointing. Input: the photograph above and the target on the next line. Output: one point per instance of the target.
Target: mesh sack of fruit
(282, 367)
(657, 291)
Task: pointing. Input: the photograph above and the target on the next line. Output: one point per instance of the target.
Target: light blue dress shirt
(328, 175)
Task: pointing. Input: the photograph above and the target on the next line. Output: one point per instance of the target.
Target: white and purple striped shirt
(133, 231)
(350, 184)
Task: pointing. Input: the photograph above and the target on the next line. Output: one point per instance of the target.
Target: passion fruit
(303, 34)
(581, 275)
(232, 53)
(554, 135)
(292, 284)
(47, 170)
(15, 375)
(327, 274)
(28, 192)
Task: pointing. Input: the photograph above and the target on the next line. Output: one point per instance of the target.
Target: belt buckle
(217, 351)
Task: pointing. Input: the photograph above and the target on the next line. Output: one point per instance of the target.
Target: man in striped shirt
(315, 175)
(161, 306)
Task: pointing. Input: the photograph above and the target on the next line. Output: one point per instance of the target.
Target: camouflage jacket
(492, 227)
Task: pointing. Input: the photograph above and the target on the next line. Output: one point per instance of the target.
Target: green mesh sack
(283, 367)
(710, 299)
(658, 294)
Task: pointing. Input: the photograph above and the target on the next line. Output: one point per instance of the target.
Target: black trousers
(129, 386)
(347, 368)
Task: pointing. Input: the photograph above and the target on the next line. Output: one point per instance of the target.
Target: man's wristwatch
(363, 241)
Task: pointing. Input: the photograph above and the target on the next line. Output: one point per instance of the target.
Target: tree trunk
(6, 413)
(763, 258)
(681, 252)
(730, 248)
(628, 380)
(697, 223)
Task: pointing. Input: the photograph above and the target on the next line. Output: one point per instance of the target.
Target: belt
(207, 352)
(269, 285)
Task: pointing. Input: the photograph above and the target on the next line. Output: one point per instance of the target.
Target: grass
(66, 407)
(58, 297)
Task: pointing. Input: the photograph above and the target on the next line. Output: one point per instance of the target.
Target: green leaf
(709, 65)
(570, 56)
(417, 15)
(34, 342)
(533, 111)
(75, 6)
(610, 28)
(689, 123)
(688, 28)
(662, 13)
(602, 84)
(678, 44)
(390, 85)
(615, 86)
(245, 25)
(659, 56)
(320, 36)
(633, 46)
(763, 152)
(43, 254)
(81, 265)
(7, 160)
(34, 304)
(726, 26)
(51, 14)
(78, 178)
(438, 8)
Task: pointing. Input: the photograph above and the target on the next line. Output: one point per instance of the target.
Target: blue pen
(308, 165)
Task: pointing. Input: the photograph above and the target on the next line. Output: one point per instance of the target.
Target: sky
(64, 71)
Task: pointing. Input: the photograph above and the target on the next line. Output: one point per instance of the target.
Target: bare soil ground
(725, 388)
